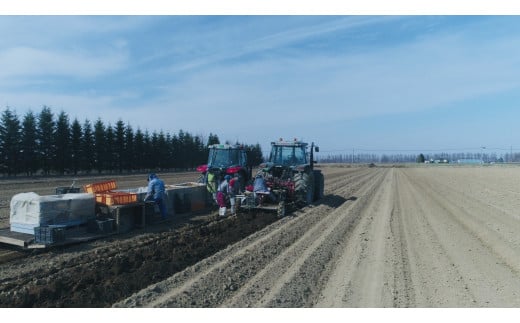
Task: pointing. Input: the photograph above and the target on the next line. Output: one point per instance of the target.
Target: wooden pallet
(26, 241)
(15, 238)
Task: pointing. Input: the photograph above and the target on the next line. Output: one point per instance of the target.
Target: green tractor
(289, 177)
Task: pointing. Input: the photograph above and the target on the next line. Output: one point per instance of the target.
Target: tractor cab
(224, 156)
(290, 155)
(224, 160)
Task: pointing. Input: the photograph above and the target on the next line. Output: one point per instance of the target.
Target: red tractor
(287, 179)
(224, 160)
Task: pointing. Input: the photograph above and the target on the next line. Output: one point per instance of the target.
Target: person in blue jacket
(155, 193)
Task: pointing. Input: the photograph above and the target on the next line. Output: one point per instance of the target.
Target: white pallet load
(30, 210)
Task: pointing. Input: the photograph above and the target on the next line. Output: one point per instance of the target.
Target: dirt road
(381, 237)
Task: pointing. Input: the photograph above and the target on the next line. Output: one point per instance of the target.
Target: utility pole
(352, 155)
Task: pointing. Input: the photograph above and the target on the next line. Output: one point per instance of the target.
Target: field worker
(222, 192)
(261, 190)
(211, 185)
(232, 191)
(259, 184)
(155, 192)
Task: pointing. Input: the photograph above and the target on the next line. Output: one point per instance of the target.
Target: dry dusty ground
(381, 237)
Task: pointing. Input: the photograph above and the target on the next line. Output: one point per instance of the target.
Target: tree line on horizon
(421, 158)
(45, 144)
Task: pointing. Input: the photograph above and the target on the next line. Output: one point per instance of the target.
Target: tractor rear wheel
(242, 179)
(304, 188)
(319, 184)
(202, 179)
(280, 210)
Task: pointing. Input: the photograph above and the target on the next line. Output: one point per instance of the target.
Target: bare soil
(381, 237)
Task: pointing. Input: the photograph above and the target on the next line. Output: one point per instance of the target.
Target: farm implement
(287, 180)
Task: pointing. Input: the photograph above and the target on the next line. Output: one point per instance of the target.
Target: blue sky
(400, 83)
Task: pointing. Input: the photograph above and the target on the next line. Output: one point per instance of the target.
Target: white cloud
(64, 30)
(236, 45)
(306, 90)
(26, 61)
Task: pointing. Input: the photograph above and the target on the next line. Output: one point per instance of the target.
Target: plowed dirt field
(426, 236)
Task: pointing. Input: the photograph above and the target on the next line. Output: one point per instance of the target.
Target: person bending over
(155, 193)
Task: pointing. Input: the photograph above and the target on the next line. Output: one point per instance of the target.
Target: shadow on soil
(332, 200)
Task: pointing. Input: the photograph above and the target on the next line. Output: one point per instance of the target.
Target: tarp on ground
(30, 210)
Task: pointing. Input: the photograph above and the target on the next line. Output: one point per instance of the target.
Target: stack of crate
(102, 225)
(105, 195)
(49, 234)
(100, 187)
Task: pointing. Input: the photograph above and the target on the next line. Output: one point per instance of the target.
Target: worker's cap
(151, 176)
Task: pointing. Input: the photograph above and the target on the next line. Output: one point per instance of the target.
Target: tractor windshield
(223, 157)
(288, 155)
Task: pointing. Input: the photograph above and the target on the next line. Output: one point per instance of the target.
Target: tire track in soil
(434, 278)
(479, 260)
(305, 264)
(359, 278)
(350, 176)
(403, 294)
(498, 222)
(265, 255)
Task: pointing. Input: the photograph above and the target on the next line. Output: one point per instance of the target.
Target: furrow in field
(434, 278)
(306, 263)
(360, 275)
(478, 267)
(217, 278)
(496, 213)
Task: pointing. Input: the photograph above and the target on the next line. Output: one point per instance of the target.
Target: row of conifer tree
(44, 143)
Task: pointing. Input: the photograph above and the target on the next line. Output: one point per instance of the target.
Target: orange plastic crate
(116, 198)
(100, 187)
